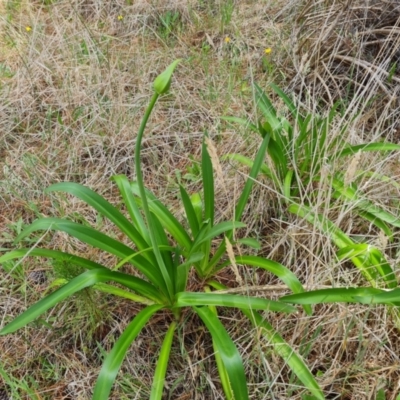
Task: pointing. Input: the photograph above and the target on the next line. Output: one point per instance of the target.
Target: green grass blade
(341, 295)
(228, 352)
(157, 386)
(103, 207)
(189, 210)
(350, 150)
(208, 184)
(80, 282)
(124, 187)
(168, 221)
(283, 273)
(187, 299)
(293, 360)
(114, 359)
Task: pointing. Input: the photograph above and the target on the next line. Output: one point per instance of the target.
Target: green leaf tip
(163, 81)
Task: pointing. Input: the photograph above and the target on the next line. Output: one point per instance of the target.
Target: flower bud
(163, 81)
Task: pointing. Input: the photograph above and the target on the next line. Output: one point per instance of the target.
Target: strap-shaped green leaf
(255, 169)
(88, 278)
(114, 359)
(335, 295)
(389, 297)
(289, 103)
(182, 269)
(227, 350)
(241, 204)
(216, 230)
(168, 221)
(208, 184)
(99, 240)
(124, 187)
(267, 108)
(189, 210)
(283, 273)
(294, 361)
(162, 241)
(350, 150)
(250, 242)
(377, 259)
(265, 170)
(383, 226)
(369, 267)
(185, 299)
(324, 224)
(54, 254)
(241, 121)
(116, 291)
(103, 207)
(157, 386)
(350, 192)
(374, 256)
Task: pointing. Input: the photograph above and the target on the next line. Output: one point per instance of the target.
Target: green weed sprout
(163, 250)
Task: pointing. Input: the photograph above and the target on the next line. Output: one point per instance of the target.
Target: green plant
(297, 151)
(227, 9)
(163, 250)
(170, 22)
(368, 259)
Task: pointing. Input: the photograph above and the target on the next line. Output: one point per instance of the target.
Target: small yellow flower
(28, 28)
(268, 50)
(227, 39)
(120, 17)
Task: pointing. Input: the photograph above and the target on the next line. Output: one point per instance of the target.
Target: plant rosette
(163, 250)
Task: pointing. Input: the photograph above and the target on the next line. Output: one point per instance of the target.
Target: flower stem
(146, 210)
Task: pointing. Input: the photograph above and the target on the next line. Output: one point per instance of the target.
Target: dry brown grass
(348, 51)
(70, 108)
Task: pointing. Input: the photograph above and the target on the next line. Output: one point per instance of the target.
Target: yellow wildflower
(120, 17)
(268, 50)
(28, 28)
(227, 39)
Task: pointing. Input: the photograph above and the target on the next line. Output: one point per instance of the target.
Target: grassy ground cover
(75, 80)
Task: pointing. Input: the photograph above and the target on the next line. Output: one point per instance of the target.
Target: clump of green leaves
(299, 150)
(163, 249)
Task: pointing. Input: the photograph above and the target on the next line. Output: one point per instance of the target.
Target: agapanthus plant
(163, 248)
